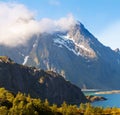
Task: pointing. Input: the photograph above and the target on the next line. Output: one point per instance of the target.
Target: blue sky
(100, 17)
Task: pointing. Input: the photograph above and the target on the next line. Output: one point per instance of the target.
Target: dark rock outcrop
(92, 98)
(38, 83)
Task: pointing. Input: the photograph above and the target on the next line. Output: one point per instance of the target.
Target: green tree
(3, 110)
(54, 108)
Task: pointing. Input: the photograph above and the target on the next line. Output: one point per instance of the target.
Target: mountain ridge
(38, 83)
(76, 53)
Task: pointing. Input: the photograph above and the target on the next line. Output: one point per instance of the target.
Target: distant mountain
(76, 54)
(38, 83)
(117, 50)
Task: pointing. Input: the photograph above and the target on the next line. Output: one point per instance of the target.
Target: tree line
(21, 104)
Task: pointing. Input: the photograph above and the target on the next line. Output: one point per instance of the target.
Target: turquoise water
(113, 100)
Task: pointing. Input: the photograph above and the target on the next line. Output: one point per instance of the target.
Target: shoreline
(108, 92)
(84, 90)
(100, 91)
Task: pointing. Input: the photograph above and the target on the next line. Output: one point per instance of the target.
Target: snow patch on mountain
(83, 47)
(35, 43)
(78, 45)
(25, 60)
(71, 45)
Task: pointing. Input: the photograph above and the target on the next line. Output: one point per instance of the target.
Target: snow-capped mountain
(76, 54)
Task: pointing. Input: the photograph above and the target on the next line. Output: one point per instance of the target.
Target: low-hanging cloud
(18, 24)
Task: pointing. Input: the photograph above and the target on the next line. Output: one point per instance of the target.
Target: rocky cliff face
(38, 83)
(76, 54)
(80, 56)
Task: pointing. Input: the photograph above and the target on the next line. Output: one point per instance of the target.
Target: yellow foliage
(20, 104)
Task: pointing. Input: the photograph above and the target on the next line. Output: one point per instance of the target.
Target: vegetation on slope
(38, 83)
(21, 104)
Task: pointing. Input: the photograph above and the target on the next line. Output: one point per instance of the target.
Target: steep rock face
(19, 52)
(38, 83)
(76, 54)
(80, 56)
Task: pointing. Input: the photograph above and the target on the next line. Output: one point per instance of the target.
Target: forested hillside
(20, 104)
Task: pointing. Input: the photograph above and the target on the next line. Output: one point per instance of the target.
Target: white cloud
(110, 36)
(18, 24)
(54, 2)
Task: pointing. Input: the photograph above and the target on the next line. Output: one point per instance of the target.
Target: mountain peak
(117, 50)
(75, 53)
(82, 38)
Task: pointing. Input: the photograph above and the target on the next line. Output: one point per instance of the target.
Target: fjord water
(113, 100)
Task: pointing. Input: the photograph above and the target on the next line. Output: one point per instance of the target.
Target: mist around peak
(18, 24)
